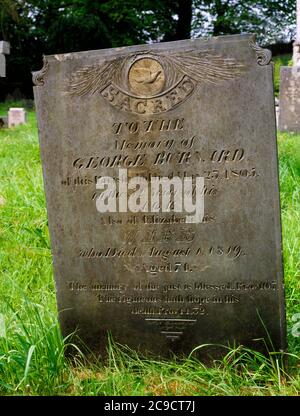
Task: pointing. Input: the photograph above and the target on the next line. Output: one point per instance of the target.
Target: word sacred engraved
(164, 102)
(152, 82)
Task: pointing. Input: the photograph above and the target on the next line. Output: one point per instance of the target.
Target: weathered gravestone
(112, 124)
(16, 116)
(4, 50)
(289, 110)
(289, 103)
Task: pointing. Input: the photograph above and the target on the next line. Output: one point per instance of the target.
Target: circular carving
(146, 77)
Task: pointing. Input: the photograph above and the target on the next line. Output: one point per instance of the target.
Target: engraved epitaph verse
(155, 279)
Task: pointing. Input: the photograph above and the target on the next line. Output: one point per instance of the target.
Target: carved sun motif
(146, 77)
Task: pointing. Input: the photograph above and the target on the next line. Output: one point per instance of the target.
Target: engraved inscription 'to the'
(146, 77)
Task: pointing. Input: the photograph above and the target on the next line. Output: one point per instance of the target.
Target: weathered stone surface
(2, 66)
(289, 103)
(16, 116)
(4, 47)
(289, 109)
(201, 108)
(4, 50)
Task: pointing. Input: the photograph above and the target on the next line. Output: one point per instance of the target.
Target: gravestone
(3, 122)
(16, 116)
(289, 107)
(289, 103)
(4, 50)
(121, 128)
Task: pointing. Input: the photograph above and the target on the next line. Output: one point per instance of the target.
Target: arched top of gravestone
(200, 57)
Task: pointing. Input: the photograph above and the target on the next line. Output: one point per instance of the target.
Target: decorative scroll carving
(38, 76)
(263, 56)
(152, 82)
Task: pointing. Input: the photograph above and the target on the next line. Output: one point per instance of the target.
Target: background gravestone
(289, 109)
(4, 50)
(201, 108)
(289, 103)
(16, 116)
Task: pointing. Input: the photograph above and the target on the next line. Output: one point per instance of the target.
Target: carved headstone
(196, 117)
(4, 50)
(289, 103)
(16, 116)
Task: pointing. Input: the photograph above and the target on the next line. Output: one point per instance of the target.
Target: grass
(32, 360)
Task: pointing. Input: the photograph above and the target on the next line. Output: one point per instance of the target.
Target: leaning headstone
(16, 116)
(4, 50)
(161, 178)
(289, 107)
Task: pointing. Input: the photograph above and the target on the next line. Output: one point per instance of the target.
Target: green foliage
(8, 10)
(46, 27)
(32, 359)
(272, 21)
(289, 164)
(280, 60)
(42, 27)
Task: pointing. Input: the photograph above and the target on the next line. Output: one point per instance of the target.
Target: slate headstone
(114, 121)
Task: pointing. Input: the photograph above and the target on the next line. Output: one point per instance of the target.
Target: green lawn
(32, 357)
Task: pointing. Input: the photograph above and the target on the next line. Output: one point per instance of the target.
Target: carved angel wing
(205, 66)
(93, 78)
(202, 66)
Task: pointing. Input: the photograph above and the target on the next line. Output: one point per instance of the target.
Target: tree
(176, 19)
(272, 20)
(8, 10)
(37, 27)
